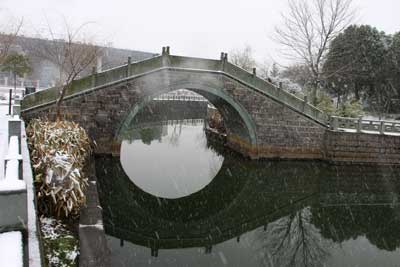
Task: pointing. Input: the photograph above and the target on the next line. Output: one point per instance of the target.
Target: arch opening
(236, 118)
(176, 143)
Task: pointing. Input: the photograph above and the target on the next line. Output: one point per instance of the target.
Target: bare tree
(263, 69)
(298, 73)
(72, 54)
(243, 58)
(293, 241)
(308, 29)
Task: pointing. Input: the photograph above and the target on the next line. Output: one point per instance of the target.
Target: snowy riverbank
(11, 249)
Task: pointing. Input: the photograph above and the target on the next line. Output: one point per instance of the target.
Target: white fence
(181, 98)
(13, 180)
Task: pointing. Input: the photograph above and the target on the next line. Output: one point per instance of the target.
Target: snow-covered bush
(59, 151)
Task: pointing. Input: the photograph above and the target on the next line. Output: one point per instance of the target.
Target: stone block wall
(281, 131)
(99, 112)
(362, 147)
(13, 210)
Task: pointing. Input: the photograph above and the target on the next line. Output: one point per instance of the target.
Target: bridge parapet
(166, 61)
(360, 125)
(263, 86)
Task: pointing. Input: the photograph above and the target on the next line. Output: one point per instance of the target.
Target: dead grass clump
(59, 151)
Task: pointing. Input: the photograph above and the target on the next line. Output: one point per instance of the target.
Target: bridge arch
(263, 121)
(229, 108)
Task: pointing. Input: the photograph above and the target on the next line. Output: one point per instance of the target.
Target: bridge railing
(96, 79)
(360, 125)
(301, 105)
(252, 80)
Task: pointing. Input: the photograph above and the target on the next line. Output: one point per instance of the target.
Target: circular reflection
(170, 159)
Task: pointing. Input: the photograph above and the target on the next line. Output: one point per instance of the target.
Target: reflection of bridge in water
(154, 124)
(189, 122)
(211, 216)
(273, 190)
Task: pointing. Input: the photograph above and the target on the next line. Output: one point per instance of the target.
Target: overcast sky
(193, 28)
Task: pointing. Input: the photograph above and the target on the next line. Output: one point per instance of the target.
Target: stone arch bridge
(262, 120)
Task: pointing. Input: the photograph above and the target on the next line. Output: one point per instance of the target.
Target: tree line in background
(344, 68)
(363, 64)
(361, 70)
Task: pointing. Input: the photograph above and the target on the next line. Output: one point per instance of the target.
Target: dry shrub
(215, 121)
(59, 151)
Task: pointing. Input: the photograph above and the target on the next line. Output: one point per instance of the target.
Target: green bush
(325, 103)
(350, 108)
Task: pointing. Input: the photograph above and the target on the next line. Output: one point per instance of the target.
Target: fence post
(382, 127)
(334, 123)
(93, 77)
(359, 125)
(165, 56)
(305, 102)
(9, 102)
(14, 129)
(128, 67)
(224, 59)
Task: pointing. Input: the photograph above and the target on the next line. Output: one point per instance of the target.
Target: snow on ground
(61, 247)
(11, 249)
(98, 225)
(368, 132)
(12, 185)
(390, 118)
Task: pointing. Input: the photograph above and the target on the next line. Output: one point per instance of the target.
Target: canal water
(173, 197)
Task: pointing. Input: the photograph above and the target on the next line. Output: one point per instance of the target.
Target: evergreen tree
(353, 58)
(361, 63)
(18, 65)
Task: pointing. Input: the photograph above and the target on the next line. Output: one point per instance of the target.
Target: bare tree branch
(72, 55)
(243, 58)
(309, 27)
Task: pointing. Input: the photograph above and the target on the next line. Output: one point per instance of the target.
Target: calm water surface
(174, 198)
(173, 161)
